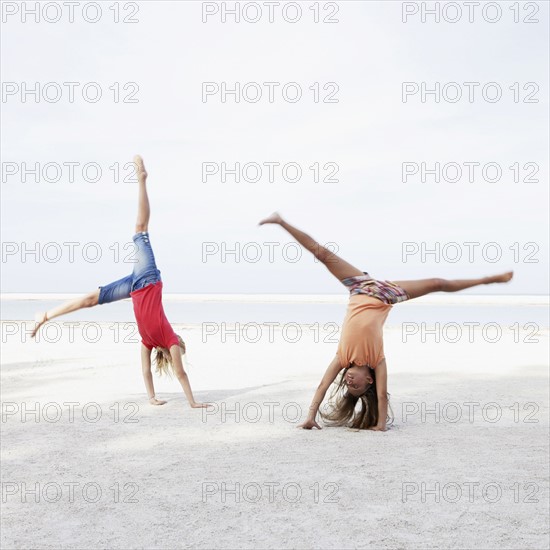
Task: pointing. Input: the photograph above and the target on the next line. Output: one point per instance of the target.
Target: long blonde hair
(341, 410)
(163, 363)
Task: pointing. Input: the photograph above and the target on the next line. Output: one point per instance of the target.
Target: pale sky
(369, 213)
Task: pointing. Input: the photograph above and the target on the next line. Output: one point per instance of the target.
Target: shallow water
(197, 312)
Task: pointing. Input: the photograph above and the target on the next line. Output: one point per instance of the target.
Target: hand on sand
(155, 401)
(308, 424)
(201, 405)
(40, 319)
(274, 218)
(140, 167)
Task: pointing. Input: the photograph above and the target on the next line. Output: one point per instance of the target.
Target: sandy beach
(88, 463)
(262, 160)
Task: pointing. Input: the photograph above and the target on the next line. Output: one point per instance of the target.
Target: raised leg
(89, 300)
(421, 287)
(337, 266)
(144, 211)
(122, 290)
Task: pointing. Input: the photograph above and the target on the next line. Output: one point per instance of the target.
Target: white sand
(182, 464)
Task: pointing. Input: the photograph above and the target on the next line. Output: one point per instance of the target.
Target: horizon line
(444, 298)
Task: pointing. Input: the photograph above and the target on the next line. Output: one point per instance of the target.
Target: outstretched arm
(328, 378)
(181, 375)
(148, 377)
(382, 394)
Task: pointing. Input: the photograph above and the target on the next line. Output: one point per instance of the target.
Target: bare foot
(504, 278)
(274, 218)
(40, 319)
(141, 172)
(155, 401)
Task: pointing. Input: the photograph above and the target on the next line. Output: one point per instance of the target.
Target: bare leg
(338, 267)
(89, 300)
(422, 287)
(144, 212)
(92, 299)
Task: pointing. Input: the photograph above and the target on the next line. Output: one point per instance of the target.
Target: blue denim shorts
(145, 272)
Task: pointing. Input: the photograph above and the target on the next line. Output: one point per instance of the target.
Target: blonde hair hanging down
(164, 365)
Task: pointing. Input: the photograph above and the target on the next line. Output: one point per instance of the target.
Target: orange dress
(361, 341)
